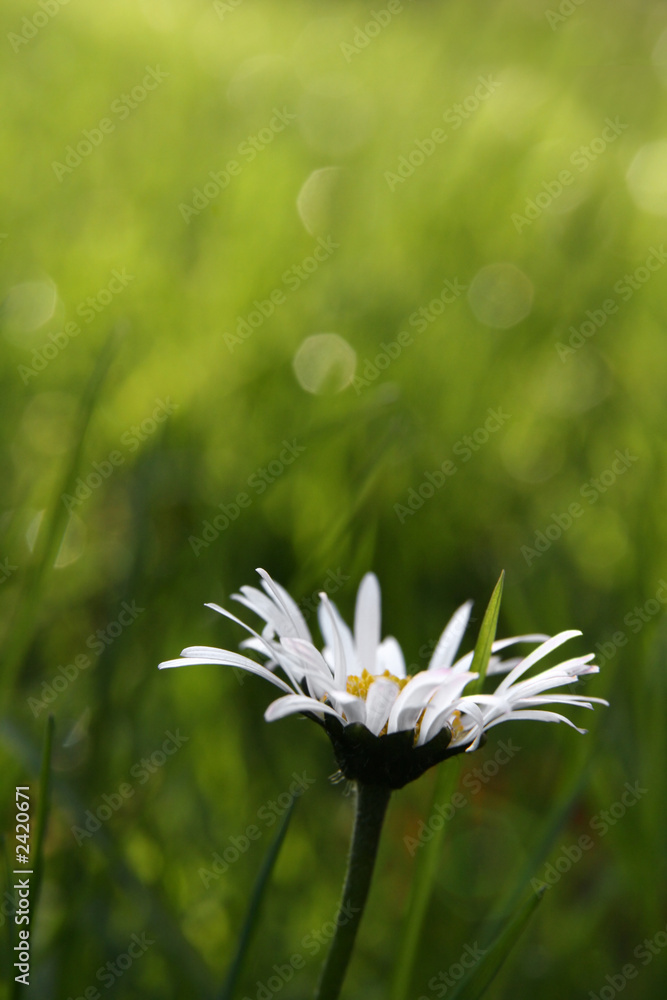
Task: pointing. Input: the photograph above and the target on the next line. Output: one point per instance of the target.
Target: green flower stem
(371, 807)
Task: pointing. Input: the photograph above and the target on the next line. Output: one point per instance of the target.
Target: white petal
(450, 640)
(451, 688)
(261, 642)
(533, 714)
(259, 645)
(344, 632)
(258, 602)
(381, 696)
(477, 728)
(573, 699)
(350, 705)
(413, 698)
(555, 677)
(314, 681)
(295, 703)
(232, 618)
(471, 726)
(442, 705)
(229, 659)
(287, 604)
(390, 657)
(547, 699)
(294, 611)
(271, 648)
(421, 691)
(532, 658)
(513, 640)
(497, 666)
(367, 622)
(339, 664)
(308, 657)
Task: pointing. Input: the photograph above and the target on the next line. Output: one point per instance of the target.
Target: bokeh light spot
(647, 178)
(315, 201)
(32, 531)
(29, 306)
(324, 363)
(500, 295)
(73, 543)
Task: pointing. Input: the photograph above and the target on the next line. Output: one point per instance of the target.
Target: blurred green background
(499, 166)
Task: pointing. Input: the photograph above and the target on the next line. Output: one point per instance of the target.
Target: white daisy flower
(388, 727)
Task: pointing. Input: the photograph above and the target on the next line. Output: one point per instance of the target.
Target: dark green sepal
(391, 760)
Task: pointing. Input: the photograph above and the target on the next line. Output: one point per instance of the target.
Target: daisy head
(388, 727)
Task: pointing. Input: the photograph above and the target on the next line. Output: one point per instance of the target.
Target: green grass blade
(501, 914)
(422, 884)
(252, 915)
(429, 858)
(51, 535)
(487, 634)
(546, 838)
(484, 972)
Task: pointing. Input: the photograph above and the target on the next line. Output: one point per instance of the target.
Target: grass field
(464, 204)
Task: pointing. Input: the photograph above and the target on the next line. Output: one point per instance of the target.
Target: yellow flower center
(359, 686)
(456, 726)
